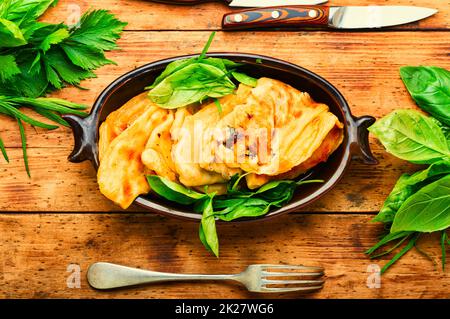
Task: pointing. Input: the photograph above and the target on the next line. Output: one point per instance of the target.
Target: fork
(255, 278)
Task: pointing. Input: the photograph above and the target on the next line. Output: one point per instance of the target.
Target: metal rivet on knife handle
(280, 17)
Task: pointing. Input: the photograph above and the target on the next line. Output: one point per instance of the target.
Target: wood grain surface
(36, 252)
(42, 230)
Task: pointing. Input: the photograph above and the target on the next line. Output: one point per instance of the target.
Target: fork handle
(107, 276)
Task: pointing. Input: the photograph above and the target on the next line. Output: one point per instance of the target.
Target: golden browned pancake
(119, 120)
(121, 174)
(275, 129)
(329, 145)
(271, 131)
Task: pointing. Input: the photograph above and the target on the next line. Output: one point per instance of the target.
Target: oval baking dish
(131, 84)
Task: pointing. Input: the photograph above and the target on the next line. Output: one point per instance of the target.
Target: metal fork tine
(293, 267)
(265, 289)
(292, 282)
(291, 274)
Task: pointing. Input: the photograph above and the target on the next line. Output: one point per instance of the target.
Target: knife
(247, 3)
(352, 17)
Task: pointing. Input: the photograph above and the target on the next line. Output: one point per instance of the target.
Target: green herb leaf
(98, 29)
(8, 109)
(23, 11)
(408, 185)
(23, 138)
(193, 83)
(428, 210)
(194, 80)
(206, 48)
(430, 88)
(208, 231)
(245, 79)
(219, 106)
(9, 67)
(10, 34)
(54, 38)
(407, 248)
(387, 239)
(3, 150)
(84, 56)
(412, 136)
(444, 240)
(173, 191)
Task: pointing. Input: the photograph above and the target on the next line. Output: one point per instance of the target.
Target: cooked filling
(269, 132)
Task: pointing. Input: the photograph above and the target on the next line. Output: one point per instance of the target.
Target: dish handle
(359, 139)
(84, 134)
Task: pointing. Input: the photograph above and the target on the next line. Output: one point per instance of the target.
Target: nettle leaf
(10, 34)
(408, 185)
(31, 9)
(428, 210)
(99, 29)
(430, 88)
(86, 57)
(54, 38)
(26, 83)
(66, 70)
(8, 68)
(411, 136)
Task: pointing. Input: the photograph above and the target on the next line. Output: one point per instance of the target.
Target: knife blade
(351, 17)
(247, 3)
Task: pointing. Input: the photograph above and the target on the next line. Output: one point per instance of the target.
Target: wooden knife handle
(189, 2)
(285, 16)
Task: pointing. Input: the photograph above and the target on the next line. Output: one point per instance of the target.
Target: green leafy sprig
(419, 203)
(37, 58)
(194, 80)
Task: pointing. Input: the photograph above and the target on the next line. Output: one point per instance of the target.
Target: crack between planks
(295, 30)
(6, 213)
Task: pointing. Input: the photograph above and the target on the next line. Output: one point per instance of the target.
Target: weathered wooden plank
(37, 249)
(367, 76)
(146, 15)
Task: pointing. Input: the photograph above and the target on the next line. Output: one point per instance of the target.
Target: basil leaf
(411, 136)
(208, 232)
(430, 88)
(245, 79)
(408, 185)
(428, 210)
(173, 191)
(172, 67)
(245, 211)
(193, 83)
(224, 64)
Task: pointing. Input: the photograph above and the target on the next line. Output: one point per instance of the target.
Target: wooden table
(58, 217)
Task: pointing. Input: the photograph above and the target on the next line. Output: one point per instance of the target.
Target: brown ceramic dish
(129, 85)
